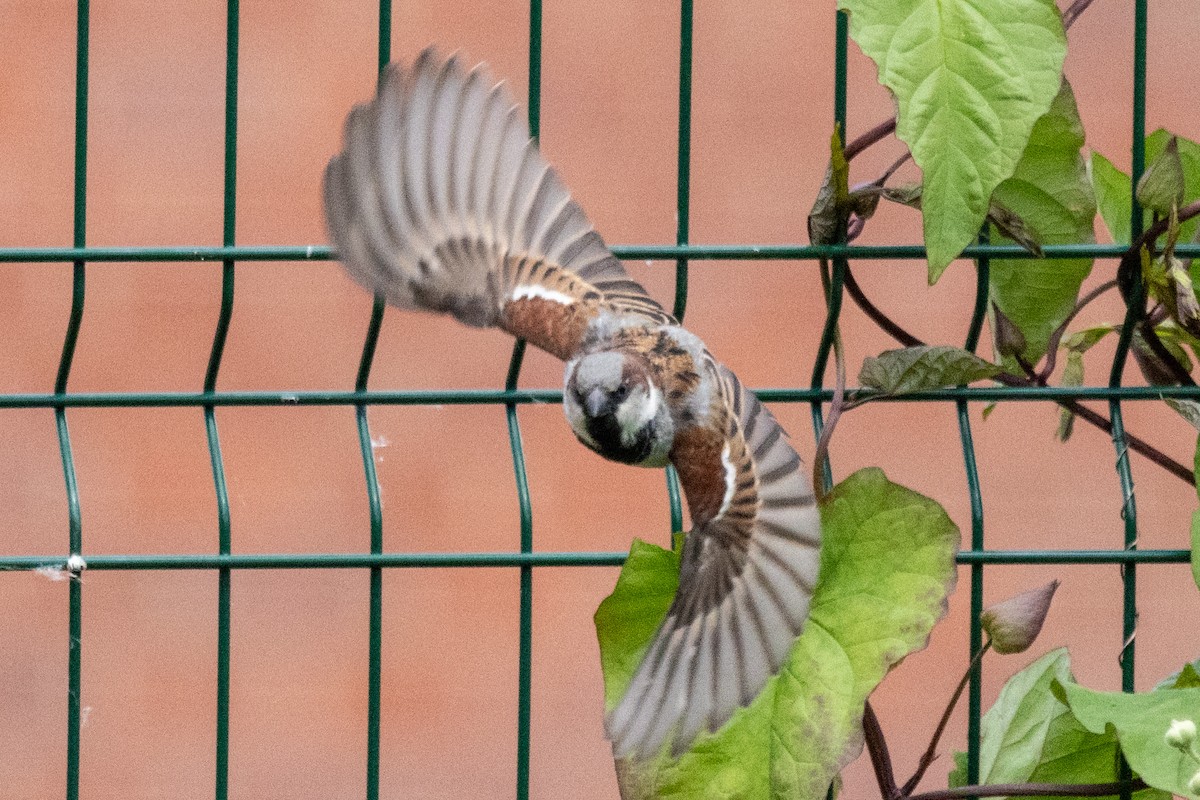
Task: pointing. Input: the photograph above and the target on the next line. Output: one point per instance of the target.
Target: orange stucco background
(762, 117)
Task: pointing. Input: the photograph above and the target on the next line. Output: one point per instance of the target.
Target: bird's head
(616, 409)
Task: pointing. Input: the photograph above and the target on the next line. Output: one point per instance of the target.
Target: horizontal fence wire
(426, 397)
(511, 398)
(628, 252)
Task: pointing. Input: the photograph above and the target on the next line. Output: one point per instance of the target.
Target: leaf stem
(1078, 7)
(931, 752)
(1034, 790)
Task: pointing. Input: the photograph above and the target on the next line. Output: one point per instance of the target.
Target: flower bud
(1016, 622)
(1194, 783)
(1181, 734)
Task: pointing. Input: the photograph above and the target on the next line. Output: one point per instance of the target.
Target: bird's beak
(595, 403)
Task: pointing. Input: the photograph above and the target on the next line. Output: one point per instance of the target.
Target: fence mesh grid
(224, 561)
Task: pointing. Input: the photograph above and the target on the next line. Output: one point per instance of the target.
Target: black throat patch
(607, 433)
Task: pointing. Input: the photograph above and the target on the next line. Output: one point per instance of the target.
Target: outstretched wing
(440, 201)
(747, 575)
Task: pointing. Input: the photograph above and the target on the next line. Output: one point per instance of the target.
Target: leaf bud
(1014, 623)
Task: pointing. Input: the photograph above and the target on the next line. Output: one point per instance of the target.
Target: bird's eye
(620, 392)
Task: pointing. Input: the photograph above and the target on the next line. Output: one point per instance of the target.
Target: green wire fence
(361, 398)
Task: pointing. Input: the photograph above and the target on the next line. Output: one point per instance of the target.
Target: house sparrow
(440, 201)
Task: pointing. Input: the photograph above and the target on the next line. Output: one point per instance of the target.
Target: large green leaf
(1029, 735)
(1014, 731)
(1140, 722)
(970, 78)
(887, 565)
(914, 369)
(1051, 192)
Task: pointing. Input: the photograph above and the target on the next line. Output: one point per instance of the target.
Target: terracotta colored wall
(763, 94)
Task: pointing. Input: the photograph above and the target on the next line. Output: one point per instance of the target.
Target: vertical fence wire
(1133, 315)
(832, 286)
(371, 479)
(525, 633)
(683, 210)
(224, 533)
(74, 513)
(975, 636)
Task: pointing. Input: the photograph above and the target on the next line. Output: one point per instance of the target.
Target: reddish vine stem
(931, 752)
(1078, 7)
(1056, 337)
(1033, 790)
(906, 339)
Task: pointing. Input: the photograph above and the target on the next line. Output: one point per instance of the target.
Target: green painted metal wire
(974, 491)
(524, 558)
(421, 397)
(374, 498)
(632, 252)
(525, 634)
(74, 512)
(683, 205)
(206, 561)
(224, 531)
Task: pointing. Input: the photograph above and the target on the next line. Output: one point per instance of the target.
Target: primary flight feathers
(440, 201)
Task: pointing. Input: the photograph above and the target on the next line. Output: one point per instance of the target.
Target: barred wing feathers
(440, 201)
(747, 575)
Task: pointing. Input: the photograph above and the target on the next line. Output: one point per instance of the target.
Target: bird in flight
(440, 201)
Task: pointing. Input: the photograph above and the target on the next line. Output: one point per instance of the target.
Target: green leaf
(1161, 187)
(1082, 341)
(1029, 735)
(1072, 376)
(1112, 185)
(1189, 159)
(1196, 548)
(887, 566)
(970, 78)
(1013, 731)
(1112, 196)
(1188, 409)
(1140, 721)
(831, 209)
(1196, 473)
(914, 369)
(1186, 678)
(1051, 192)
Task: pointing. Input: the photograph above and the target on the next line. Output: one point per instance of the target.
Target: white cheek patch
(730, 481)
(633, 418)
(650, 407)
(541, 292)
